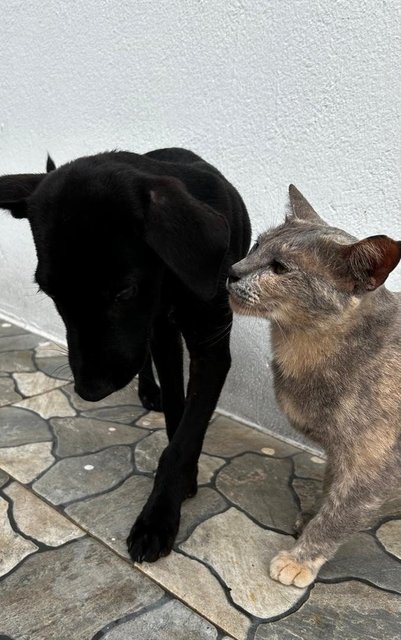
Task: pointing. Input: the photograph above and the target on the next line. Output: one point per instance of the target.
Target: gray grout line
(163, 600)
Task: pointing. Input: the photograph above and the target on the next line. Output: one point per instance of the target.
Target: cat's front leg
(347, 508)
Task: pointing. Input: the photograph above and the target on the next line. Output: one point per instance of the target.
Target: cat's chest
(307, 400)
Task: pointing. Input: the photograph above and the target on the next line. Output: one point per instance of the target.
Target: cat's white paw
(286, 569)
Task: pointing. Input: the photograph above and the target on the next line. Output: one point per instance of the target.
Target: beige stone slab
(27, 461)
(38, 520)
(149, 450)
(207, 467)
(389, 535)
(8, 395)
(53, 404)
(193, 583)
(13, 548)
(240, 552)
(47, 349)
(16, 361)
(226, 437)
(152, 420)
(31, 384)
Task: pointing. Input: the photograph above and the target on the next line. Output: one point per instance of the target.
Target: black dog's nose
(233, 276)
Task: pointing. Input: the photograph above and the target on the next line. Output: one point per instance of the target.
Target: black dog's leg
(168, 358)
(148, 389)
(155, 530)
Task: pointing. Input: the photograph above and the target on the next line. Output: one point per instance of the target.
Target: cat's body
(336, 340)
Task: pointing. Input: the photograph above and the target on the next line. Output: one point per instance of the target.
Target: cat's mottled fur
(336, 339)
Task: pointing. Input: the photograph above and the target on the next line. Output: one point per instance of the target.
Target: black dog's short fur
(148, 390)
(135, 250)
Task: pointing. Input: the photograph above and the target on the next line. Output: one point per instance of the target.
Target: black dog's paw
(149, 539)
(150, 397)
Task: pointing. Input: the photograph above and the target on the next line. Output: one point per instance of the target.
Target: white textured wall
(272, 92)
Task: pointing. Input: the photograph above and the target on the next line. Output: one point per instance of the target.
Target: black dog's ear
(189, 236)
(15, 189)
(50, 164)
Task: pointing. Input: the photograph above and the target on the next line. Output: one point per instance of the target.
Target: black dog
(135, 250)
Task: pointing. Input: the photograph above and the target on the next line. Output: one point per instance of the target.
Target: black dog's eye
(253, 248)
(126, 294)
(278, 267)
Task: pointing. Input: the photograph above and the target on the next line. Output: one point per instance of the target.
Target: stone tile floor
(73, 477)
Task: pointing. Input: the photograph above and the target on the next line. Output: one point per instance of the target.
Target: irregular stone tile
(8, 329)
(19, 342)
(16, 361)
(391, 507)
(149, 450)
(389, 535)
(152, 420)
(39, 521)
(19, 426)
(125, 396)
(126, 414)
(193, 583)
(74, 478)
(207, 467)
(204, 505)
(82, 588)
(48, 405)
(13, 547)
(349, 610)
(27, 461)
(309, 493)
(8, 394)
(171, 621)
(3, 478)
(260, 486)
(56, 367)
(307, 465)
(31, 384)
(362, 558)
(48, 349)
(110, 517)
(83, 435)
(227, 438)
(240, 552)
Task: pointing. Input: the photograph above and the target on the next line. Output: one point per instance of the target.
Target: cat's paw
(289, 571)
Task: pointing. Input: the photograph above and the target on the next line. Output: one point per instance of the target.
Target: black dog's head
(105, 234)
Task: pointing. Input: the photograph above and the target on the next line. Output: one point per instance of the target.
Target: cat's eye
(278, 267)
(254, 247)
(126, 294)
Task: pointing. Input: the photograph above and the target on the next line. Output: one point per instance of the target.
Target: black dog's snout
(233, 276)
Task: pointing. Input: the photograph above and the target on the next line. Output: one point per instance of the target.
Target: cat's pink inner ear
(373, 259)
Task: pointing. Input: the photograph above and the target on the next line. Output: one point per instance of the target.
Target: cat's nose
(233, 276)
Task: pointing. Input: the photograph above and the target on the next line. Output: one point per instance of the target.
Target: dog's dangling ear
(300, 208)
(50, 164)
(15, 189)
(190, 237)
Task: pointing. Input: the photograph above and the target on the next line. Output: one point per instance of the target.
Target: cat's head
(305, 271)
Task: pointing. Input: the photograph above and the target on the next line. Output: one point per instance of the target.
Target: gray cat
(336, 339)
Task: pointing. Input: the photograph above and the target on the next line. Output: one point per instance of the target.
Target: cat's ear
(371, 260)
(300, 207)
(15, 189)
